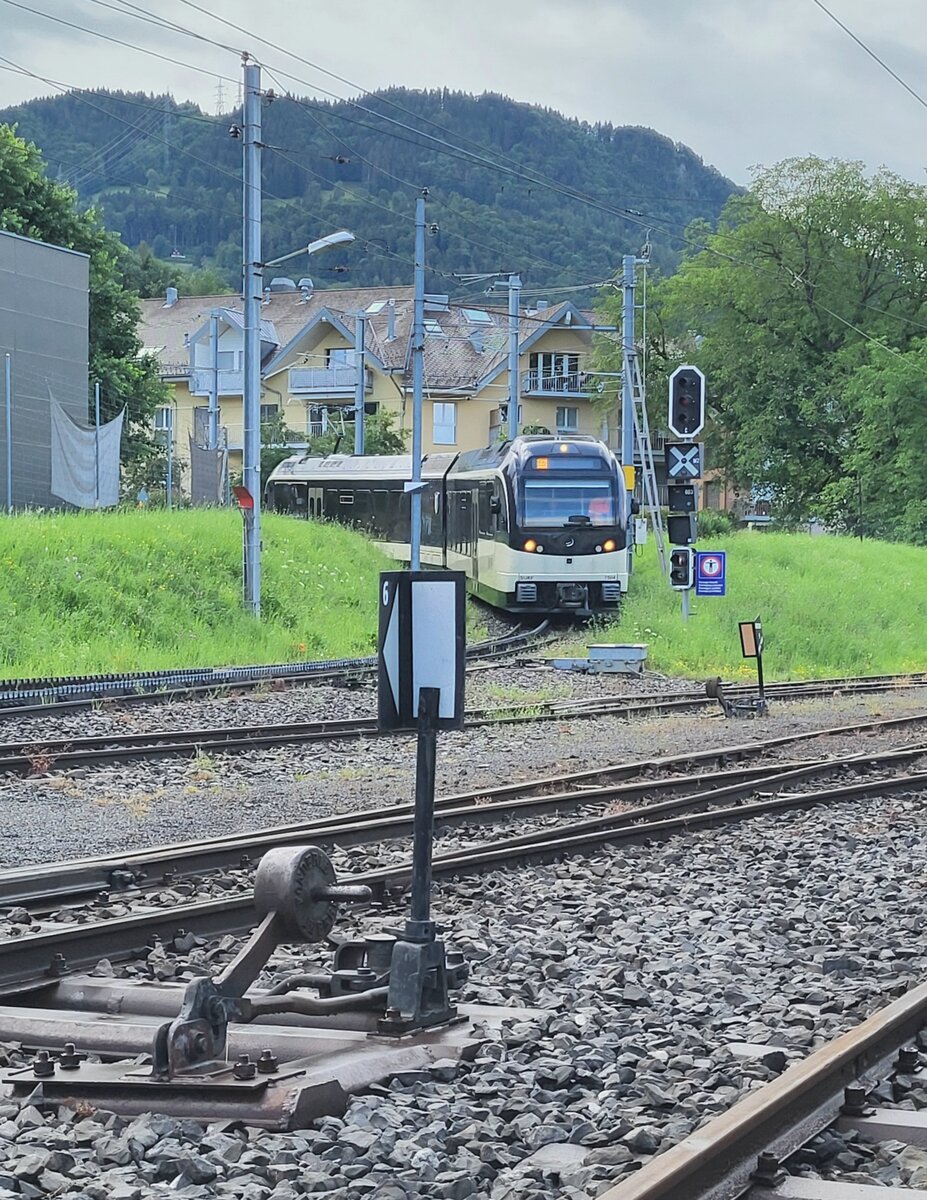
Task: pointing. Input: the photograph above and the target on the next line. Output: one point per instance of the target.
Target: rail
(31, 960)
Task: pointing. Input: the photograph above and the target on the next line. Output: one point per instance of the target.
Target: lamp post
(330, 239)
(251, 406)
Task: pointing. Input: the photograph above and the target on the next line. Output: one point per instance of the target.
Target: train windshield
(558, 503)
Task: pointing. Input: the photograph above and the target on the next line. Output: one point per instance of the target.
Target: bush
(713, 522)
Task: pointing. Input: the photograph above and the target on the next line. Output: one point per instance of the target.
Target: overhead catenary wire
(118, 41)
(474, 158)
(872, 54)
(447, 147)
(312, 111)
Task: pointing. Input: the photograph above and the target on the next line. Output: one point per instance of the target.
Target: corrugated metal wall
(43, 326)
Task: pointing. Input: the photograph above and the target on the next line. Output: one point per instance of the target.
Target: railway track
(744, 1153)
(19, 697)
(40, 886)
(707, 799)
(42, 755)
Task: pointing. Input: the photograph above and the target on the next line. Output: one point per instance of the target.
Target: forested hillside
(166, 175)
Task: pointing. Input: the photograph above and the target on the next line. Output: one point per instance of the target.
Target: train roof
(303, 467)
(371, 466)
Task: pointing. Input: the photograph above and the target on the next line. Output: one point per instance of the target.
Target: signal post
(684, 461)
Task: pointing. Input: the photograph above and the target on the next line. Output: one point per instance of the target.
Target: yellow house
(309, 376)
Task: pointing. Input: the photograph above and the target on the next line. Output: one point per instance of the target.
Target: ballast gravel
(663, 981)
(109, 809)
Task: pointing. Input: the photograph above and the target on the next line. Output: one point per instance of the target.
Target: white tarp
(207, 475)
(84, 460)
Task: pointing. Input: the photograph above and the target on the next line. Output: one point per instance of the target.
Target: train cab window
(552, 502)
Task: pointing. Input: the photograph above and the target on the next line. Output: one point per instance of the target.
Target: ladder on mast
(645, 451)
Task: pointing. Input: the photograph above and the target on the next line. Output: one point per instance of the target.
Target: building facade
(309, 373)
(44, 305)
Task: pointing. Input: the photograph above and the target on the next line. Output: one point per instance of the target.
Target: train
(538, 524)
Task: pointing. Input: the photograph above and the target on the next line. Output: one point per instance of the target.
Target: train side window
(502, 513)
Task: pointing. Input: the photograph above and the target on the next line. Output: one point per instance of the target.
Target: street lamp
(251, 405)
(330, 239)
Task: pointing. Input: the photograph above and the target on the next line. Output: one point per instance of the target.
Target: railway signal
(682, 567)
(683, 460)
(681, 498)
(686, 418)
(681, 528)
(686, 401)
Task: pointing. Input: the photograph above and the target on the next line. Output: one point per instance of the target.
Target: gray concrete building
(44, 308)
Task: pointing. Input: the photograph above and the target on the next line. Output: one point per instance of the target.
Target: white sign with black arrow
(422, 644)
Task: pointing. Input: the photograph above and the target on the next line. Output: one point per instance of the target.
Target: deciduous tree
(815, 265)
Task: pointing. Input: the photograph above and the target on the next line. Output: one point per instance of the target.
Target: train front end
(569, 537)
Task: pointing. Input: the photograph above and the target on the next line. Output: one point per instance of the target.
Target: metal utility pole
(169, 482)
(634, 422)
(8, 429)
(96, 446)
(360, 362)
(514, 284)
(252, 295)
(418, 375)
(213, 432)
(628, 263)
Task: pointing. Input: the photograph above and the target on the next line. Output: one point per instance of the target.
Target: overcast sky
(741, 82)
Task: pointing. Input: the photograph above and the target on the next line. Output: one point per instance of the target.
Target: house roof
(466, 348)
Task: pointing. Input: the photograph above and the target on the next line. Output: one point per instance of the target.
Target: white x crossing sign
(683, 460)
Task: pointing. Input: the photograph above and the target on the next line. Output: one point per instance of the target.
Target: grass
(139, 590)
(527, 697)
(829, 605)
(142, 590)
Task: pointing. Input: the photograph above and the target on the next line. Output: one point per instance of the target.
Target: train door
(473, 570)
(486, 529)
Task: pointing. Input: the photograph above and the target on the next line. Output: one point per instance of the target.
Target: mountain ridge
(503, 179)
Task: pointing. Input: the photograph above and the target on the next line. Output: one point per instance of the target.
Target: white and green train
(538, 524)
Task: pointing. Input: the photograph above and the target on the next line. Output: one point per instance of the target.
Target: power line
(872, 54)
(162, 22)
(175, 113)
(157, 137)
(309, 110)
(447, 148)
(118, 41)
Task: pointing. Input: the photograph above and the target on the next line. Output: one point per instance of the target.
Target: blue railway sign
(710, 572)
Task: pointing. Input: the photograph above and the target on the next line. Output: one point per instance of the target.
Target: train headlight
(531, 545)
(609, 545)
(598, 549)
(540, 549)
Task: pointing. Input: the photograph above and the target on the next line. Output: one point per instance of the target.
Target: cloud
(739, 82)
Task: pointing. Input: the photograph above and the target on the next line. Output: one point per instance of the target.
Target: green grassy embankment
(100, 592)
(830, 606)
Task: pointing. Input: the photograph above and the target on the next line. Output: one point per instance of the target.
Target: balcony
(328, 382)
(573, 384)
(231, 383)
(179, 370)
(658, 442)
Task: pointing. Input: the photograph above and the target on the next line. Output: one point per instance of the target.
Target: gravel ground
(656, 967)
(659, 970)
(489, 685)
(109, 809)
